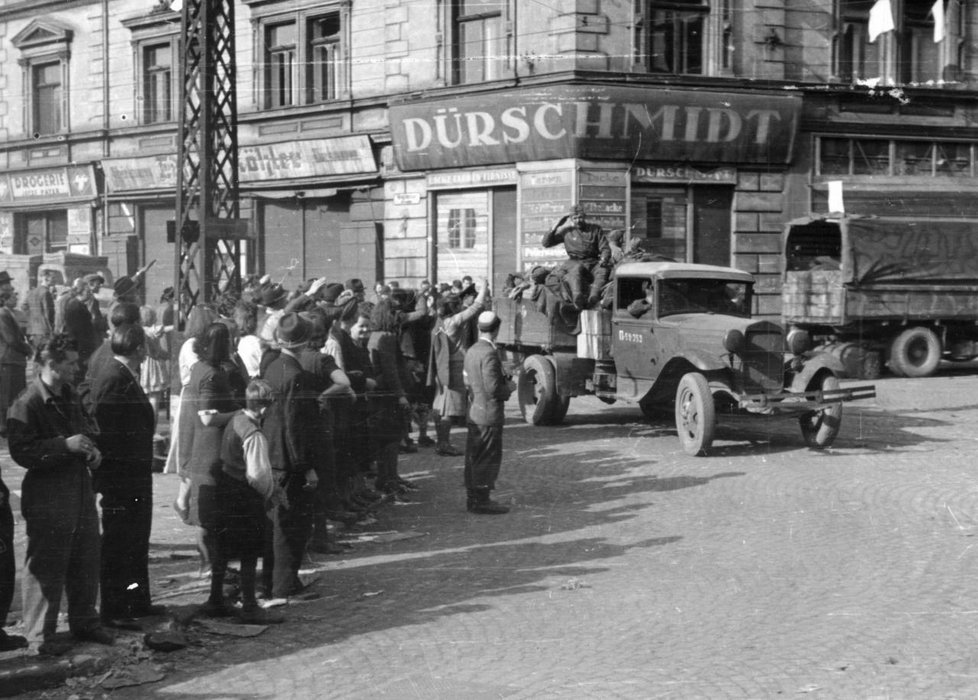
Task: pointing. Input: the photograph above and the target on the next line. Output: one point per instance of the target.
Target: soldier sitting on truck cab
(586, 271)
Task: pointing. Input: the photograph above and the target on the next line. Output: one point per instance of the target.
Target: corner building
(408, 139)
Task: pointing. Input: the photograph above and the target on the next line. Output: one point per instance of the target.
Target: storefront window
(659, 216)
(461, 228)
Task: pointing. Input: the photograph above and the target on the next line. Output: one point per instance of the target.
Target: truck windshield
(678, 296)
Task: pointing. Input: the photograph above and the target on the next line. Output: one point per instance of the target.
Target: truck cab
(677, 335)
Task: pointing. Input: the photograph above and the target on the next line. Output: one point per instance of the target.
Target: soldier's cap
(355, 284)
(292, 331)
(94, 277)
(576, 210)
(5, 277)
(488, 321)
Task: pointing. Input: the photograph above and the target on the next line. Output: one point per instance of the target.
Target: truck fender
(572, 373)
(700, 362)
(813, 366)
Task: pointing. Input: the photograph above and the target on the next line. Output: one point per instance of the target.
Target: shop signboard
(289, 160)
(595, 122)
(57, 185)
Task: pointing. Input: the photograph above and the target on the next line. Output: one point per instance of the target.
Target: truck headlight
(798, 341)
(734, 341)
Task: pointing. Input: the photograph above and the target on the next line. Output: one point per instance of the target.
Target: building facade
(408, 139)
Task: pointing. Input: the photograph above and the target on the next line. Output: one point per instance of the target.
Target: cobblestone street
(629, 569)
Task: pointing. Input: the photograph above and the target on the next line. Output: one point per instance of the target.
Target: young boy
(246, 490)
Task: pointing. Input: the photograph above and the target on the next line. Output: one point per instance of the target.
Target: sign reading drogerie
(595, 122)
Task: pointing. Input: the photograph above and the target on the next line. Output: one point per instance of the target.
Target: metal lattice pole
(208, 229)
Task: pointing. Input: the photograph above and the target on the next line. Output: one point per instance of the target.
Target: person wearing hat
(80, 324)
(335, 395)
(99, 323)
(489, 389)
(5, 280)
(271, 305)
(290, 425)
(356, 286)
(589, 256)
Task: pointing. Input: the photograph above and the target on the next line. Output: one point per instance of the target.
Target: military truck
(696, 349)
(878, 291)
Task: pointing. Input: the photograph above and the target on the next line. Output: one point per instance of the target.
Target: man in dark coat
(51, 438)
(289, 426)
(589, 256)
(39, 306)
(488, 391)
(79, 325)
(127, 424)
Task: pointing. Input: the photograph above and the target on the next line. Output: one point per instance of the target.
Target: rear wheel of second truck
(916, 352)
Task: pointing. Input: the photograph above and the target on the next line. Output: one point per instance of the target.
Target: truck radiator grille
(763, 361)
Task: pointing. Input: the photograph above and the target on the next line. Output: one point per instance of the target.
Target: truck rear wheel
(536, 390)
(695, 414)
(916, 352)
(819, 428)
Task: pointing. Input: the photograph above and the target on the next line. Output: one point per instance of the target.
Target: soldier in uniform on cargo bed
(589, 253)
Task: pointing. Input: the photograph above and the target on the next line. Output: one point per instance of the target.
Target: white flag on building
(880, 19)
(939, 24)
(835, 197)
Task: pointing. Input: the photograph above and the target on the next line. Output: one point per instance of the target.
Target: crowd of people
(287, 411)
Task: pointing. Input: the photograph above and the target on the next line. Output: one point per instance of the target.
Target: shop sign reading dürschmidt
(595, 122)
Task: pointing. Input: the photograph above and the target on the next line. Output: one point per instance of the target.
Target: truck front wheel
(819, 428)
(916, 352)
(695, 414)
(536, 390)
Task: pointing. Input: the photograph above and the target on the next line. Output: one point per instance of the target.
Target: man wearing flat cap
(488, 390)
(289, 425)
(589, 253)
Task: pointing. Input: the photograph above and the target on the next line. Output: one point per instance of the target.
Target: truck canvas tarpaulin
(891, 251)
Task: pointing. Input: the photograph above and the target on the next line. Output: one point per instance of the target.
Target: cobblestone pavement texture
(627, 569)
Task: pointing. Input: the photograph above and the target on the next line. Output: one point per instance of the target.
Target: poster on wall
(545, 196)
(6, 232)
(80, 230)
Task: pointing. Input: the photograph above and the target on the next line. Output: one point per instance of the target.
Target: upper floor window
(677, 36)
(685, 37)
(155, 43)
(478, 42)
(158, 84)
(44, 46)
(304, 57)
(895, 158)
(280, 64)
(920, 48)
(46, 96)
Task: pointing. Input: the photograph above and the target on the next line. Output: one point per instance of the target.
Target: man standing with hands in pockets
(488, 390)
(51, 438)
